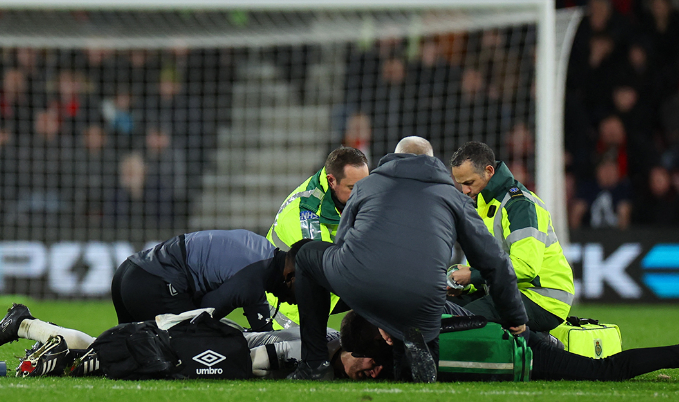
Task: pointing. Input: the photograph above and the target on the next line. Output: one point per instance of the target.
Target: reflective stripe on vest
(556, 294)
(281, 319)
(498, 232)
(316, 192)
(548, 239)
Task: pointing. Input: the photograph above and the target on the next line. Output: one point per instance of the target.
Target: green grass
(641, 325)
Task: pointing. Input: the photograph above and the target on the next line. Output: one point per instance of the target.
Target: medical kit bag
(484, 352)
(588, 337)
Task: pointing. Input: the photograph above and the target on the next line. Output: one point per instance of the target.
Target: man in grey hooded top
(390, 256)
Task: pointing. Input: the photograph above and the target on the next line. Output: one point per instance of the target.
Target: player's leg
(19, 323)
(140, 296)
(41, 331)
(551, 363)
(539, 319)
(312, 291)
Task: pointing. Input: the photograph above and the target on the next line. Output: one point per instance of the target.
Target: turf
(641, 325)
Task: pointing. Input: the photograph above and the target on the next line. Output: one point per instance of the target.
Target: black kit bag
(200, 348)
(136, 351)
(209, 348)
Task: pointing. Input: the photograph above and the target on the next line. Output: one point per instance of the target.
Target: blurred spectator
(30, 62)
(612, 144)
(359, 134)
(659, 204)
(165, 172)
(599, 45)
(178, 114)
(16, 108)
(521, 173)
(100, 68)
(669, 122)
(8, 172)
(430, 80)
(44, 190)
(519, 144)
(604, 203)
(70, 102)
(127, 206)
(121, 118)
(387, 113)
(601, 18)
(662, 26)
(95, 173)
(136, 203)
(471, 115)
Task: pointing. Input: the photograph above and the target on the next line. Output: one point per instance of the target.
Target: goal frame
(549, 170)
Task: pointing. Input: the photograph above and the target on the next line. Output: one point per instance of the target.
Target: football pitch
(641, 326)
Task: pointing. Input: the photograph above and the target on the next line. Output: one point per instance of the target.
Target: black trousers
(539, 319)
(550, 363)
(312, 291)
(140, 296)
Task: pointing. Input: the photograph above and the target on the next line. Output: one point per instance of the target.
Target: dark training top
(224, 269)
(395, 241)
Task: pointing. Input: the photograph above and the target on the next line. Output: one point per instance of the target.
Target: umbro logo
(209, 358)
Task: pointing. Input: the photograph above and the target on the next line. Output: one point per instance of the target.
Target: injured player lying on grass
(363, 353)
(65, 351)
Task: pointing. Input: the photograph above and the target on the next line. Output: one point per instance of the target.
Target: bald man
(389, 263)
(414, 145)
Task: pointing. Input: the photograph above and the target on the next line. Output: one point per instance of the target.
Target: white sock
(260, 361)
(37, 330)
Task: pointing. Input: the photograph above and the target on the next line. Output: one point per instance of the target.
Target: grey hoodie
(395, 241)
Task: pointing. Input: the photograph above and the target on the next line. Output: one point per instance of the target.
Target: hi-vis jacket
(309, 212)
(518, 219)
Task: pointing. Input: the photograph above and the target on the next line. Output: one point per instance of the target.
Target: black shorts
(140, 296)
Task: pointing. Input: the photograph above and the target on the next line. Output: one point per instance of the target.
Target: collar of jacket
(497, 186)
(324, 207)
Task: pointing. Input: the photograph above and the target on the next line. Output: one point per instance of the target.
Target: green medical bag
(489, 353)
(586, 337)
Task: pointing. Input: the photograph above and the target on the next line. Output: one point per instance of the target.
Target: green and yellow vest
(519, 220)
(309, 212)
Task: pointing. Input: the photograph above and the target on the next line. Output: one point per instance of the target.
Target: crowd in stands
(621, 106)
(448, 88)
(102, 141)
(622, 116)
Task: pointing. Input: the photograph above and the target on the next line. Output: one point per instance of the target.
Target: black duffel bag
(200, 348)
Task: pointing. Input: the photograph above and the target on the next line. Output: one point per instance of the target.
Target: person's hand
(517, 330)
(387, 338)
(463, 275)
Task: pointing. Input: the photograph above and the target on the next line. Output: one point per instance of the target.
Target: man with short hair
(389, 264)
(222, 269)
(312, 211)
(520, 222)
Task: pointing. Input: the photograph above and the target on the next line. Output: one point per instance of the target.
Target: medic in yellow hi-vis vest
(312, 211)
(520, 222)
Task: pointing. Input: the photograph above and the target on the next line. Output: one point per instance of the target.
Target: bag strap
(578, 322)
(454, 324)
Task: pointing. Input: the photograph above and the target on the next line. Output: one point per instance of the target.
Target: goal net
(124, 127)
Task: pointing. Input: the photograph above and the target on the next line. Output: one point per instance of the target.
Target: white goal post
(549, 139)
